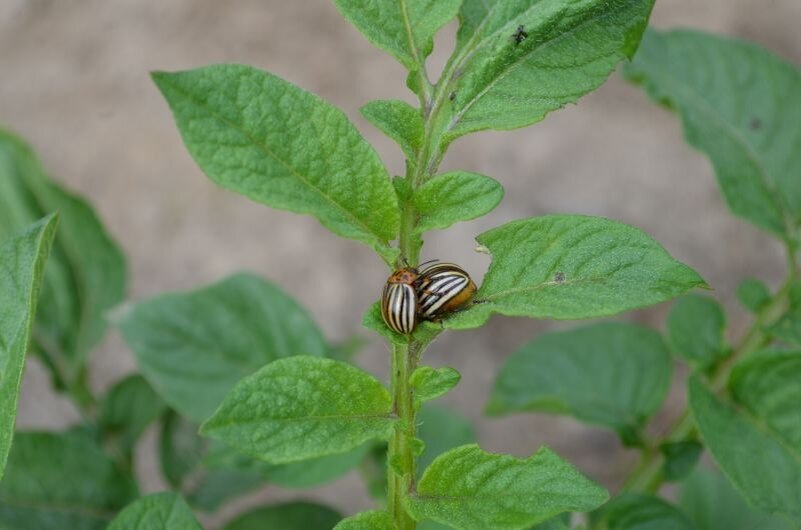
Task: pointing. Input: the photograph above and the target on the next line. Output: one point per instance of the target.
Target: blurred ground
(74, 83)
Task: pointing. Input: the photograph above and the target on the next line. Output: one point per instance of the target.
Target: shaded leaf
(570, 267)
(637, 511)
(289, 516)
(193, 347)
(258, 135)
(470, 489)
(763, 468)
(740, 105)
(680, 459)
(769, 386)
(302, 407)
(442, 429)
(180, 448)
(128, 408)
(85, 274)
(61, 481)
(22, 262)
(712, 503)
(453, 197)
(612, 374)
(167, 511)
(753, 294)
(695, 329)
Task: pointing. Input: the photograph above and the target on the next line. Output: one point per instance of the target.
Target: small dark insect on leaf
(755, 124)
(520, 35)
(559, 277)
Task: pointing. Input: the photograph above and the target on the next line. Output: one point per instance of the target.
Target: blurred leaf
(612, 374)
(193, 347)
(403, 28)
(680, 459)
(740, 105)
(695, 328)
(180, 448)
(61, 481)
(258, 135)
(441, 429)
(399, 121)
(22, 262)
(571, 267)
(518, 60)
(85, 273)
(216, 487)
(769, 386)
(167, 511)
(760, 465)
(128, 408)
(474, 490)
(453, 197)
(788, 328)
(753, 294)
(637, 511)
(289, 516)
(712, 503)
(300, 408)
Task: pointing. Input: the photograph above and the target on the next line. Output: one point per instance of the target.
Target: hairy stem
(648, 476)
(401, 459)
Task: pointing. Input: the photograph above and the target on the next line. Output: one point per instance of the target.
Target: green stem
(401, 459)
(648, 475)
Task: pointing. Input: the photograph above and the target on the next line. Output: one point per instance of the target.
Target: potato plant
(245, 389)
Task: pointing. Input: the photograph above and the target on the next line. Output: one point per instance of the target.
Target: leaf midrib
(270, 154)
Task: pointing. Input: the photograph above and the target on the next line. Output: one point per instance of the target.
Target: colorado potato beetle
(443, 288)
(399, 300)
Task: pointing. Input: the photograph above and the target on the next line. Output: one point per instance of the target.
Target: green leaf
(753, 294)
(370, 520)
(166, 510)
(85, 273)
(740, 105)
(403, 28)
(453, 197)
(128, 408)
(302, 407)
(504, 82)
(441, 429)
(214, 488)
(637, 511)
(769, 386)
(470, 489)
(611, 374)
(289, 516)
(761, 466)
(180, 448)
(695, 330)
(61, 481)
(22, 263)
(713, 504)
(430, 383)
(297, 475)
(680, 459)
(258, 135)
(398, 120)
(788, 328)
(570, 267)
(194, 347)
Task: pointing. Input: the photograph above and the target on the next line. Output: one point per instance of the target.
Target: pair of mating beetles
(428, 294)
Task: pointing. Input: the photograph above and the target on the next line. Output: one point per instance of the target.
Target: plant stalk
(648, 476)
(402, 465)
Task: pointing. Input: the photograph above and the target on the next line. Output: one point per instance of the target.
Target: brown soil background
(74, 83)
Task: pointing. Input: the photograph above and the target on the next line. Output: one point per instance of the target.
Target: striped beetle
(443, 288)
(399, 300)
